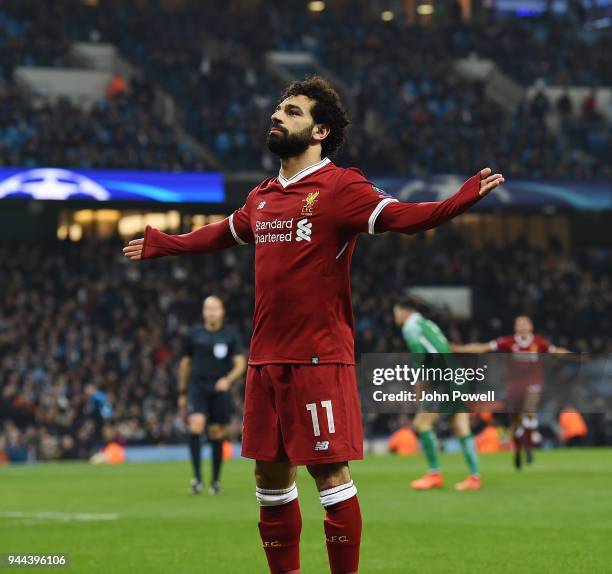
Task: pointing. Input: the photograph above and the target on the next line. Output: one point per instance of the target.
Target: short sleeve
(237, 345)
(412, 339)
(546, 346)
(187, 346)
(358, 202)
(240, 222)
(502, 344)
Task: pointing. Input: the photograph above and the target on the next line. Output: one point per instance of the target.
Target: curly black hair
(328, 109)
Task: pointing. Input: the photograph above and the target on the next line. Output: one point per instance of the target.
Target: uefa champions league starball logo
(52, 183)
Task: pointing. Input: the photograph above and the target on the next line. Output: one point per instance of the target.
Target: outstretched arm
(472, 348)
(233, 230)
(156, 243)
(412, 218)
(362, 207)
(560, 350)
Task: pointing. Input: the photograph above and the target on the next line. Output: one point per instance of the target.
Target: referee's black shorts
(216, 406)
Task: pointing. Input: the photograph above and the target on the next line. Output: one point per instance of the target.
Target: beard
(286, 145)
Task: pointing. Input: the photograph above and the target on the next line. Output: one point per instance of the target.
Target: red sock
(280, 528)
(343, 535)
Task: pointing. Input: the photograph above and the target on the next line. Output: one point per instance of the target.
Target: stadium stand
(412, 115)
(552, 49)
(120, 130)
(117, 132)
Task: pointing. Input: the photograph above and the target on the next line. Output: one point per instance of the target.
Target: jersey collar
(411, 322)
(523, 342)
(302, 173)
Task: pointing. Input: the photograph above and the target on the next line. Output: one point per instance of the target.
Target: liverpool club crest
(309, 202)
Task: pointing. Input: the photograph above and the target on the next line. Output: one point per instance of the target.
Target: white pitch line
(61, 516)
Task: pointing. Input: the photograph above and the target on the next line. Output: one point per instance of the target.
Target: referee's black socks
(195, 449)
(217, 458)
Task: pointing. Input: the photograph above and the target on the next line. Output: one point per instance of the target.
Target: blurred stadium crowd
(91, 341)
(412, 114)
(118, 131)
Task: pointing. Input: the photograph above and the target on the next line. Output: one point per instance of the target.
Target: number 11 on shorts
(327, 405)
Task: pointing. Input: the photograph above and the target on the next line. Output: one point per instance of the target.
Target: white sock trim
(337, 494)
(276, 497)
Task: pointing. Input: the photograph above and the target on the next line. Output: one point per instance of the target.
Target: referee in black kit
(212, 360)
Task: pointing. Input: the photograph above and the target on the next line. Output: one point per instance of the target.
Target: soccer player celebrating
(212, 361)
(423, 336)
(525, 381)
(301, 404)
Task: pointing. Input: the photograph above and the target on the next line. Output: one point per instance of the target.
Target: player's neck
(213, 326)
(523, 339)
(292, 165)
(408, 316)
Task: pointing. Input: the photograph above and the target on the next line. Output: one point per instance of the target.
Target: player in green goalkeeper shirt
(425, 337)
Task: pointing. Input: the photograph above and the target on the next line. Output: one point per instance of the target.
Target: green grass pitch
(555, 516)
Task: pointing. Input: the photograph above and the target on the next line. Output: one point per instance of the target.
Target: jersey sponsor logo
(322, 445)
(309, 202)
(281, 230)
(220, 350)
(274, 224)
(283, 225)
(303, 231)
(524, 356)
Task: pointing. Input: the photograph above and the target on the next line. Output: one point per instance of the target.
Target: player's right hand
(133, 250)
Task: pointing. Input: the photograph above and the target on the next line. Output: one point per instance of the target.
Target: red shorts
(523, 395)
(303, 414)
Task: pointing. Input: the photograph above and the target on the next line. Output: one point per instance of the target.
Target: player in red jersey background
(301, 404)
(525, 378)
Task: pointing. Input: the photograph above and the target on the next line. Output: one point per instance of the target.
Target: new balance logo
(303, 231)
(322, 445)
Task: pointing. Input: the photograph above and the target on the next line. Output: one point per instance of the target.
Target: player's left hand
(222, 385)
(489, 182)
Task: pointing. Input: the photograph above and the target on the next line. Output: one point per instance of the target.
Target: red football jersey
(525, 365)
(304, 230)
(516, 344)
